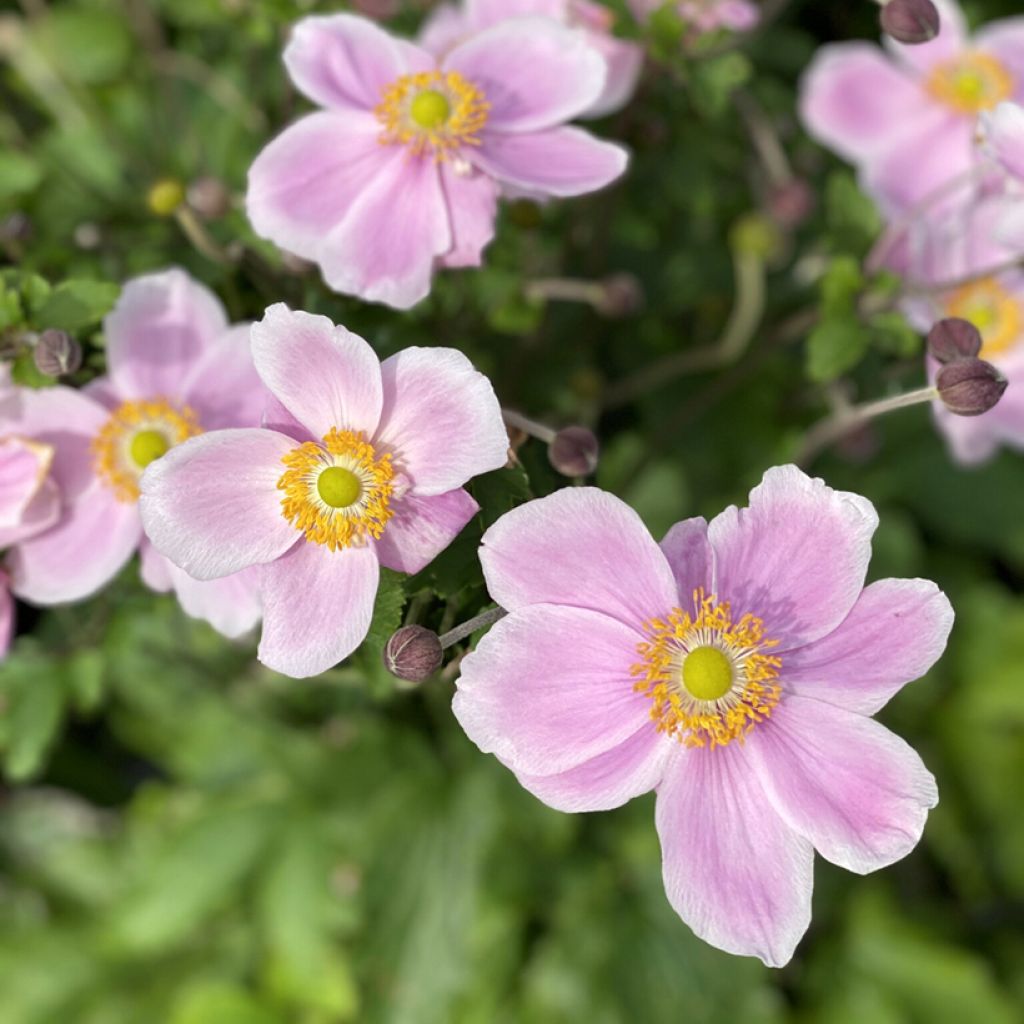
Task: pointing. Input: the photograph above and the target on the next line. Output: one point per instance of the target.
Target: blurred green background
(188, 838)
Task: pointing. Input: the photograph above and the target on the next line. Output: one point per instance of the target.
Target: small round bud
(910, 21)
(791, 203)
(622, 295)
(970, 387)
(165, 197)
(574, 451)
(953, 339)
(413, 653)
(16, 227)
(88, 235)
(209, 197)
(57, 354)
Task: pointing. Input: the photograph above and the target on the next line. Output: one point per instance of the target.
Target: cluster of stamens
(971, 82)
(337, 491)
(706, 675)
(137, 434)
(995, 311)
(435, 111)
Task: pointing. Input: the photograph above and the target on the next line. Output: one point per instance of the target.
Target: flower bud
(16, 227)
(970, 387)
(953, 339)
(910, 21)
(413, 653)
(57, 354)
(574, 451)
(622, 295)
(209, 197)
(165, 197)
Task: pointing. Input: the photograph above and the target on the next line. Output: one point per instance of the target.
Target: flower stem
(528, 426)
(460, 632)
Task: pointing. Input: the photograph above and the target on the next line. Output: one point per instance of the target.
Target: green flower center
(707, 673)
(430, 109)
(339, 487)
(147, 446)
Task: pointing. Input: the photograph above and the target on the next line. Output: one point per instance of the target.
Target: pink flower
(29, 504)
(733, 669)
(401, 172)
(175, 369)
(450, 25)
(706, 15)
(1004, 133)
(362, 466)
(909, 120)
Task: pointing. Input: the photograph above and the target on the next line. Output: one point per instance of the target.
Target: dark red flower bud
(57, 354)
(622, 295)
(970, 387)
(910, 21)
(413, 653)
(574, 451)
(209, 197)
(953, 339)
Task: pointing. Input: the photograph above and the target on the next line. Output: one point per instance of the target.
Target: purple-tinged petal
(6, 616)
(796, 558)
(344, 62)
(29, 499)
(307, 179)
(386, 247)
(161, 325)
(533, 73)
(421, 528)
(556, 162)
(581, 547)
(317, 607)
(855, 790)
(154, 568)
(856, 101)
(734, 871)
(1004, 131)
(42, 511)
(441, 419)
(324, 375)
(482, 14)
(85, 550)
(625, 62)
(444, 29)
(212, 506)
(224, 388)
(609, 780)
(549, 687)
(949, 44)
(690, 557)
(231, 604)
(1004, 39)
(472, 200)
(895, 632)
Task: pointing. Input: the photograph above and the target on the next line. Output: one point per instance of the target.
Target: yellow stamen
(995, 311)
(706, 675)
(432, 111)
(137, 434)
(338, 491)
(971, 82)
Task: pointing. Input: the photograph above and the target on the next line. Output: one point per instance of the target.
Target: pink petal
(856, 101)
(895, 632)
(534, 73)
(445, 28)
(472, 201)
(88, 547)
(422, 528)
(483, 14)
(154, 569)
(1004, 129)
(733, 870)
(441, 419)
(385, 248)
(949, 43)
(549, 687)
(160, 327)
(317, 607)
(29, 499)
(7, 614)
(224, 388)
(346, 62)
(324, 375)
(42, 511)
(582, 547)
(557, 162)
(625, 62)
(231, 604)
(855, 790)
(796, 558)
(212, 506)
(689, 554)
(609, 780)
(1004, 39)
(307, 179)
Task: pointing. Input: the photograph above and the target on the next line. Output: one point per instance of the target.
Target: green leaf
(387, 610)
(34, 695)
(73, 304)
(840, 286)
(19, 174)
(852, 217)
(716, 79)
(834, 347)
(891, 333)
(87, 46)
(215, 1002)
(500, 491)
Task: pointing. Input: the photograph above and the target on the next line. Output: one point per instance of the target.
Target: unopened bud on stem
(57, 354)
(413, 653)
(574, 451)
(911, 21)
(970, 387)
(953, 339)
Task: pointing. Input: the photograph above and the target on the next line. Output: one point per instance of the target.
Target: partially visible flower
(706, 15)
(450, 25)
(401, 173)
(361, 465)
(734, 669)
(908, 120)
(910, 21)
(1004, 134)
(970, 387)
(175, 369)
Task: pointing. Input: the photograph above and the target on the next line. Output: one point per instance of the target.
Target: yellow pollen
(971, 82)
(137, 434)
(997, 314)
(707, 676)
(432, 111)
(337, 491)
